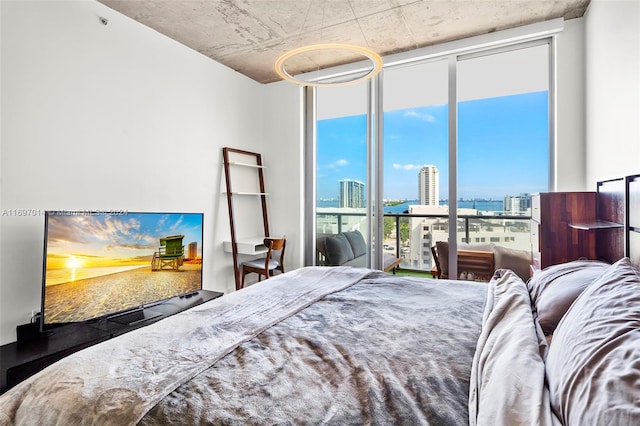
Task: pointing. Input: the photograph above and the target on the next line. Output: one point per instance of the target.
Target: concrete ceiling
(249, 35)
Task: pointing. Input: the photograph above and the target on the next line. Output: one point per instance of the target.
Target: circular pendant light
(373, 57)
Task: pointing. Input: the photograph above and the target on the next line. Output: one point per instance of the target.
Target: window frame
(454, 52)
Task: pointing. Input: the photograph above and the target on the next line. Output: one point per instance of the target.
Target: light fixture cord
(358, 22)
(304, 22)
(324, 8)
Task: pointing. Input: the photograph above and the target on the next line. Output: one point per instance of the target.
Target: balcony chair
(478, 262)
(474, 263)
(266, 265)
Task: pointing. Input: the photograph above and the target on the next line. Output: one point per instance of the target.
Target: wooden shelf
(597, 224)
(252, 245)
(248, 193)
(257, 166)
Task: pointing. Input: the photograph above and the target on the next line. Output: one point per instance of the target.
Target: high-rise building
(351, 194)
(192, 250)
(429, 186)
(519, 204)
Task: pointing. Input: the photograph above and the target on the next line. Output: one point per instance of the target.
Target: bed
(317, 345)
(351, 346)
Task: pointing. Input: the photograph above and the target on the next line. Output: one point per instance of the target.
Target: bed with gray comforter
(338, 346)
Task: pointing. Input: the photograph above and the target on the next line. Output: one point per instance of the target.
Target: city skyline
(502, 148)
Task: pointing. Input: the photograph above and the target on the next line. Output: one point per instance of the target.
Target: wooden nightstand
(553, 240)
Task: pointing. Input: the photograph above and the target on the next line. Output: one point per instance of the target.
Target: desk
(251, 245)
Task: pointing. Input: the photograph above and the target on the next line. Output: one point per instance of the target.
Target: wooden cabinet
(553, 240)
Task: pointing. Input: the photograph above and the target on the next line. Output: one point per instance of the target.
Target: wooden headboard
(610, 215)
(632, 226)
(618, 217)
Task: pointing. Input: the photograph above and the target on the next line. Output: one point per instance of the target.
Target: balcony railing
(410, 236)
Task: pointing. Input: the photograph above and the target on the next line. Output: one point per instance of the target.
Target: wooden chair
(266, 265)
(476, 265)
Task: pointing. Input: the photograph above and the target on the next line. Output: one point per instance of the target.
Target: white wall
(612, 31)
(570, 149)
(91, 113)
(283, 152)
(91, 116)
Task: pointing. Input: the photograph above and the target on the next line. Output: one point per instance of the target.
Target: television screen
(97, 264)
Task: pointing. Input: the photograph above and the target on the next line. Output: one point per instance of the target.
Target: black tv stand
(135, 317)
(22, 359)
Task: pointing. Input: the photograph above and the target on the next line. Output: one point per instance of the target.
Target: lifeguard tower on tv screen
(170, 255)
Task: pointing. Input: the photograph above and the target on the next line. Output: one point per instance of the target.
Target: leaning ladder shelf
(228, 165)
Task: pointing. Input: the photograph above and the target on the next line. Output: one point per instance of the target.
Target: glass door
(416, 161)
(341, 168)
(462, 143)
(503, 143)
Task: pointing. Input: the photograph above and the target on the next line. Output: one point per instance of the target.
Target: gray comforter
(314, 346)
(508, 372)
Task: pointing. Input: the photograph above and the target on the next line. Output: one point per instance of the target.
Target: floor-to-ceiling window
(498, 126)
(341, 160)
(503, 142)
(416, 160)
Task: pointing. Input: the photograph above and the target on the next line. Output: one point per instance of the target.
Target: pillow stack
(593, 364)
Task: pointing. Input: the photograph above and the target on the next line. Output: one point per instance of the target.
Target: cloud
(338, 163)
(421, 116)
(407, 166)
(86, 230)
(130, 246)
(177, 224)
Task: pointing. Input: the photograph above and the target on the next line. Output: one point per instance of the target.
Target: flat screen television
(99, 265)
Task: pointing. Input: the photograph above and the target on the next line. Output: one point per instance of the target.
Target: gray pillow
(338, 250)
(555, 288)
(356, 240)
(593, 363)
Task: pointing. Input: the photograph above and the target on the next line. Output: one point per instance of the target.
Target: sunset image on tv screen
(97, 264)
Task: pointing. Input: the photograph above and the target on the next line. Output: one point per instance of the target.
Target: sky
(503, 148)
(76, 241)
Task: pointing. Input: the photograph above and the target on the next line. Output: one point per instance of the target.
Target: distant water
(485, 206)
(65, 275)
